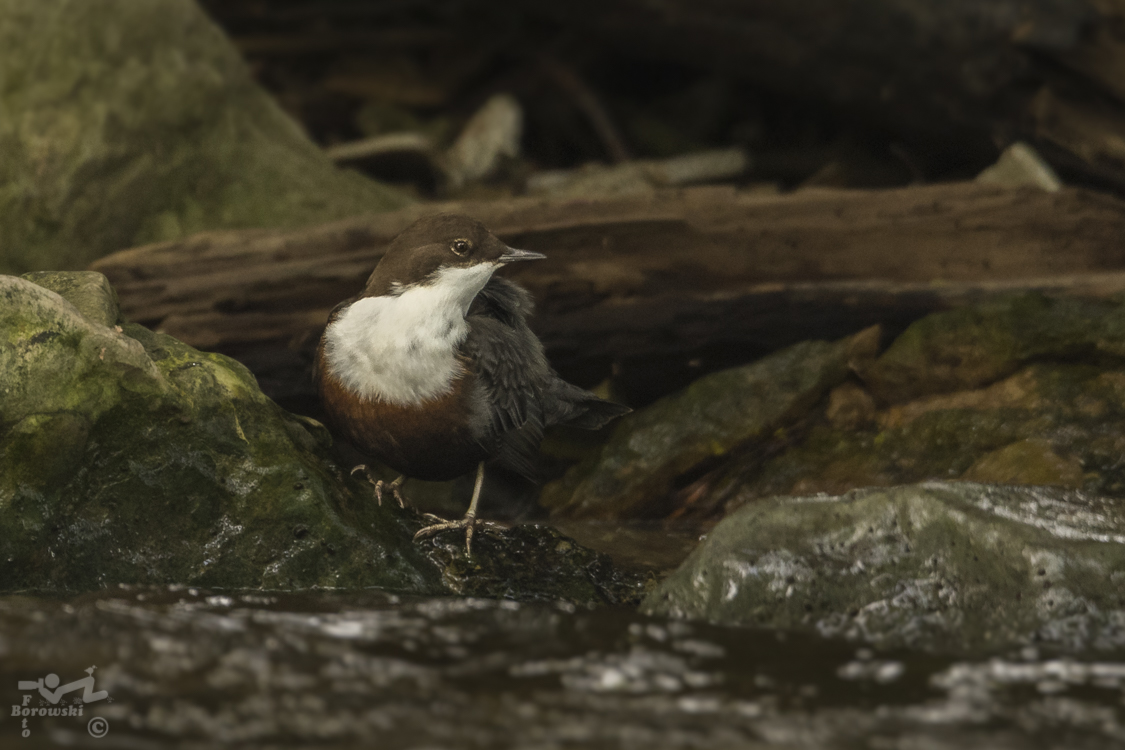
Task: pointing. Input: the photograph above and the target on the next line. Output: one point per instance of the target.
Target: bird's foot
(468, 523)
(394, 487)
(380, 486)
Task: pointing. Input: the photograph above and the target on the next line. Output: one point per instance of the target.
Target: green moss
(1029, 461)
(41, 451)
(972, 346)
(1072, 410)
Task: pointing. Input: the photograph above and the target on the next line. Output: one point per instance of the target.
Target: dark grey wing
(511, 370)
(520, 395)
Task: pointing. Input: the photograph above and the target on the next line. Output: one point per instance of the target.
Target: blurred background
(818, 92)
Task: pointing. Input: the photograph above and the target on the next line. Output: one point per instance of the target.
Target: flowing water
(181, 667)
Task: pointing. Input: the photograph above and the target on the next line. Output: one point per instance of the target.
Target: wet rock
(534, 563)
(650, 450)
(126, 123)
(949, 567)
(1024, 390)
(127, 456)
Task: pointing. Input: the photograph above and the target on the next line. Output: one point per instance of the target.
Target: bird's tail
(584, 409)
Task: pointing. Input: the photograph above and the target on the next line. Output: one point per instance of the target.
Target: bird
(433, 370)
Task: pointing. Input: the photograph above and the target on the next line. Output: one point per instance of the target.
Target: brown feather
(430, 441)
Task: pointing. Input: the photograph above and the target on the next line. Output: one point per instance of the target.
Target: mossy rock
(1025, 390)
(1048, 424)
(946, 567)
(127, 456)
(651, 449)
(1030, 461)
(132, 122)
(973, 346)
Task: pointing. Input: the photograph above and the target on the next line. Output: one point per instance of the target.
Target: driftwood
(697, 277)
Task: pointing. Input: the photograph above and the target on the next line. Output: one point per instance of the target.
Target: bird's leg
(468, 523)
(380, 486)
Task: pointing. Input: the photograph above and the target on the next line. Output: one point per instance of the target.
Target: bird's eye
(461, 247)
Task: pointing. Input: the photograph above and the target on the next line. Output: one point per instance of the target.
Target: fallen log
(692, 279)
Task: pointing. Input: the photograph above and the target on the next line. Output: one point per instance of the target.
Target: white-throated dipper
(433, 370)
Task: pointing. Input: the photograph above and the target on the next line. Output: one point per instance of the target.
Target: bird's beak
(510, 255)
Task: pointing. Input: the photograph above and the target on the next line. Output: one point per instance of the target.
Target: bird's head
(447, 249)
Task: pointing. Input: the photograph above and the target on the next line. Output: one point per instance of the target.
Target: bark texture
(708, 272)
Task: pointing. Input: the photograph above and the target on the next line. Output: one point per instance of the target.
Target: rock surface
(127, 457)
(1024, 391)
(949, 567)
(133, 122)
(973, 346)
(1050, 423)
(532, 562)
(651, 449)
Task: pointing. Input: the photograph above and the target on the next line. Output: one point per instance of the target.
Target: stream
(190, 668)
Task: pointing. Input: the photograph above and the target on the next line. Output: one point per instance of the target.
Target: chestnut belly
(431, 441)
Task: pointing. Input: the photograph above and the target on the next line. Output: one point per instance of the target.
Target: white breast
(402, 348)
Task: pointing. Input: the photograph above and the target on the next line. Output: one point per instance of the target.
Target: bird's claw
(468, 523)
(396, 492)
(381, 486)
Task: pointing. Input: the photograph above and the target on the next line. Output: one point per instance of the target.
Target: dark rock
(534, 563)
(126, 123)
(973, 346)
(949, 567)
(651, 449)
(1038, 400)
